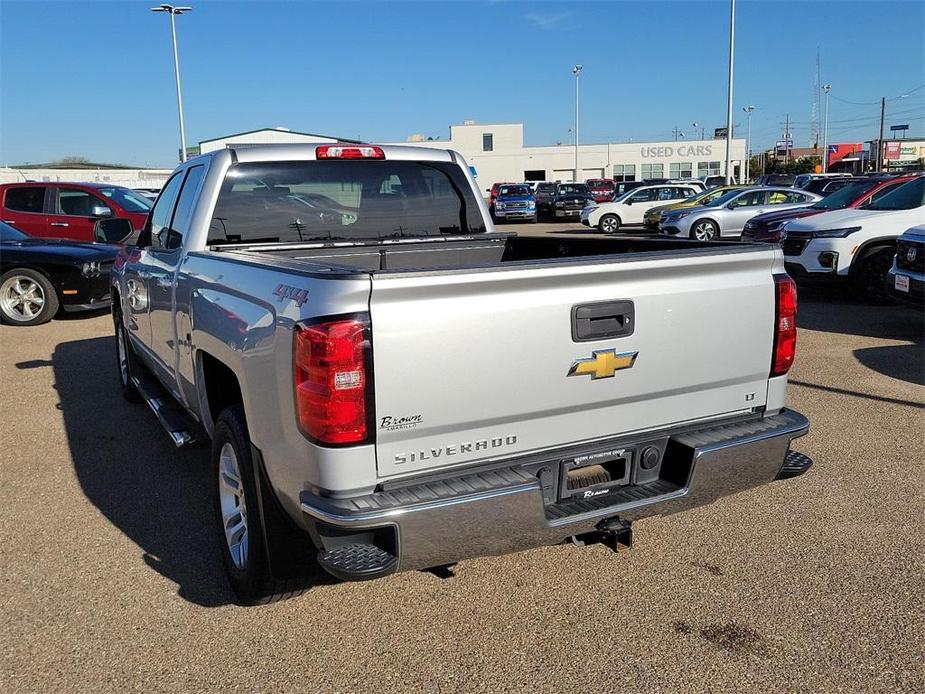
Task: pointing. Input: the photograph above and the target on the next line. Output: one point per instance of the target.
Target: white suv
(854, 245)
(630, 208)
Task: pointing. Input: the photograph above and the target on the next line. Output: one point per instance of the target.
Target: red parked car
(601, 189)
(69, 210)
(859, 192)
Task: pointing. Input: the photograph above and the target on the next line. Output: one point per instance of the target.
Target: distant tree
(75, 159)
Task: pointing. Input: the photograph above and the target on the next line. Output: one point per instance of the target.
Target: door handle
(603, 320)
(59, 224)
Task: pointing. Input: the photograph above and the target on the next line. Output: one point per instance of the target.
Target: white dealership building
(498, 154)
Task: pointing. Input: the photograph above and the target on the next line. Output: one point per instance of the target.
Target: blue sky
(96, 78)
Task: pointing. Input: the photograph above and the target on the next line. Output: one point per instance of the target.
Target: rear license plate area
(595, 474)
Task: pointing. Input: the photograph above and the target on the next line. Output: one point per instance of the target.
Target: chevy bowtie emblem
(603, 363)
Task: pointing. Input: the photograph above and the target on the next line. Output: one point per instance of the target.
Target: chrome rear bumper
(502, 510)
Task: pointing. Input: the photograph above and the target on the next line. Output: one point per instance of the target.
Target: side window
(666, 193)
(756, 197)
(159, 217)
(688, 193)
(78, 203)
(171, 237)
(25, 199)
(886, 190)
(645, 195)
(778, 197)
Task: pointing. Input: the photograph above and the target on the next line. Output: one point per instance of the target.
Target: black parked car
(39, 276)
(544, 193)
(780, 180)
(570, 199)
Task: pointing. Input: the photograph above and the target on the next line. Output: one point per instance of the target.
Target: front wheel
(26, 298)
(125, 361)
(869, 278)
(704, 230)
(609, 223)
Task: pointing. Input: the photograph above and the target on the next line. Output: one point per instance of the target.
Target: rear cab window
(343, 200)
(25, 199)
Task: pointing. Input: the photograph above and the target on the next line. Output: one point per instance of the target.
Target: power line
(877, 102)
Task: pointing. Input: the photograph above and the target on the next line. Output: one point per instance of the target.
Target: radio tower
(814, 120)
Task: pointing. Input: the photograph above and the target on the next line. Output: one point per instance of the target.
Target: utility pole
(576, 71)
(748, 142)
(698, 125)
(825, 129)
(880, 141)
(677, 133)
(732, 43)
(787, 140)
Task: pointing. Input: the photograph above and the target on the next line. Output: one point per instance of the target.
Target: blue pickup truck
(514, 201)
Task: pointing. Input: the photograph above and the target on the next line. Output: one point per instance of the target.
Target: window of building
(488, 142)
(535, 175)
(684, 169)
(707, 168)
(25, 199)
(653, 171)
(624, 172)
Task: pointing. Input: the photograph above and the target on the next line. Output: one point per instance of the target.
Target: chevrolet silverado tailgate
(484, 364)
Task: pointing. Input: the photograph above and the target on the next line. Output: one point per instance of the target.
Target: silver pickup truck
(389, 384)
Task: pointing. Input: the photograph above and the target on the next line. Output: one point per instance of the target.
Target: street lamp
(173, 11)
(576, 71)
(698, 125)
(732, 43)
(825, 130)
(748, 140)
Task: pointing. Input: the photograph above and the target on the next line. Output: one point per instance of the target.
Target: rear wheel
(609, 224)
(27, 298)
(237, 513)
(704, 230)
(869, 278)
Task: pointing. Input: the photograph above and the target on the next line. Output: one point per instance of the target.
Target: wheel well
(221, 384)
(869, 248)
(611, 214)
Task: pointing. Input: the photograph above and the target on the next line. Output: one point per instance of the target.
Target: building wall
(262, 137)
(130, 178)
(510, 160)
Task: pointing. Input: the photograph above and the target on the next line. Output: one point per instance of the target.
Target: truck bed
(471, 252)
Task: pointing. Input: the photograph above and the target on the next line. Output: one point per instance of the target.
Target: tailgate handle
(602, 320)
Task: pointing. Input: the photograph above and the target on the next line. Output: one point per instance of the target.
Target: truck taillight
(785, 329)
(349, 152)
(331, 380)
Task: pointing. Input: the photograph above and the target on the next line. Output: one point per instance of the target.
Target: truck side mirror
(113, 230)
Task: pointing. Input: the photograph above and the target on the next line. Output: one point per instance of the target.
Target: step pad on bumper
(795, 465)
(357, 562)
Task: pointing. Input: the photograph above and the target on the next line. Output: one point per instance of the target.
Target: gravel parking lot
(112, 580)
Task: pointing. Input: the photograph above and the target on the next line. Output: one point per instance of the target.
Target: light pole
(173, 11)
(732, 43)
(825, 129)
(576, 71)
(748, 141)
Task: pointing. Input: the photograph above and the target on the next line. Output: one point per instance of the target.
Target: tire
(704, 230)
(237, 514)
(609, 224)
(869, 278)
(534, 219)
(126, 362)
(27, 298)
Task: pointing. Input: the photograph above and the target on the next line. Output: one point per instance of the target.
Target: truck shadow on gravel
(126, 466)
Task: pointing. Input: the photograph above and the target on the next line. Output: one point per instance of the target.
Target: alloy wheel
(233, 507)
(21, 298)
